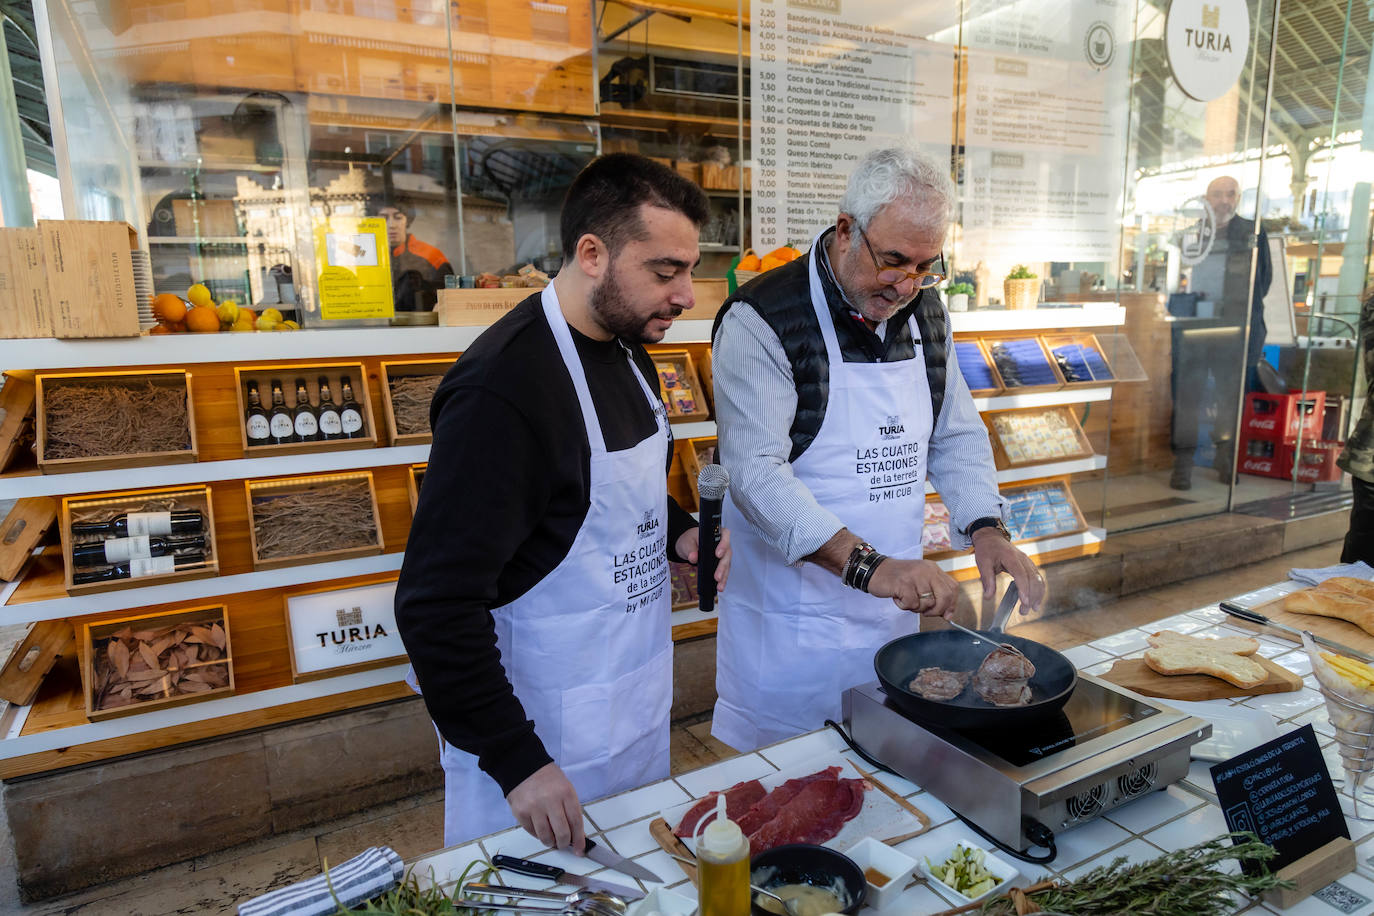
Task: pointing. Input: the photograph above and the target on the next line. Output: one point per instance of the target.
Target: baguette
(1235, 645)
(1360, 588)
(1350, 608)
(1234, 669)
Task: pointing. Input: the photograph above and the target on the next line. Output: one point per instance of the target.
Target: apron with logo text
(589, 649)
(791, 639)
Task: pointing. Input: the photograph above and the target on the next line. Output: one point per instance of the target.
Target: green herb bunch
(1181, 883)
(956, 289)
(1021, 272)
(410, 899)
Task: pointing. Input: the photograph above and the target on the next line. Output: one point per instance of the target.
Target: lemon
(266, 322)
(199, 294)
(273, 315)
(289, 325)
(242, 326)
(228, 311)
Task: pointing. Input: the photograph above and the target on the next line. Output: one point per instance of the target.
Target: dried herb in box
(153, 663)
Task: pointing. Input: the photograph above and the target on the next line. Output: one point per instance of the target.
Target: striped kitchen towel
(369, 874)
(1358, 570)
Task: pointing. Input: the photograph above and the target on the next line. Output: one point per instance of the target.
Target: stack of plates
(143, 288)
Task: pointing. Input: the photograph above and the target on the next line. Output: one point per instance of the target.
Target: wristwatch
(988, 521)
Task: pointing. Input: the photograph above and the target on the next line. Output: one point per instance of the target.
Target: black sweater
(505, 493)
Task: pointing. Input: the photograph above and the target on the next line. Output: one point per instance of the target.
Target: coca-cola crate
(1284, 417)
(1262, 457)
(1316, 461)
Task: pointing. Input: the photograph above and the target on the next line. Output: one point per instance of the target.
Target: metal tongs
(1010, 598)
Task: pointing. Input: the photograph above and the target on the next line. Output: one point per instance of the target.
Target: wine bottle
(350, 412)
(257, 423)
(133, 524)
(283, 426)
(122, 550)
(306, 424)
(331, 424)
(138, 568)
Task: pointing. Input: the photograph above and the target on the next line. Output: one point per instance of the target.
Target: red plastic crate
(1263, 457)
(1317, 462)
(1283, 417)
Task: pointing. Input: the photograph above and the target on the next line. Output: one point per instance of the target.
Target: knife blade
(606, 857)
(1245, 613)
(1010, 598)
(563, 876)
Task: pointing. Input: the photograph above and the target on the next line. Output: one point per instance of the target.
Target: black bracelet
(877, 558)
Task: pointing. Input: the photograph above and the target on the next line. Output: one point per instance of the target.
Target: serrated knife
(562, 876)
(1245, 613)
(603, 856)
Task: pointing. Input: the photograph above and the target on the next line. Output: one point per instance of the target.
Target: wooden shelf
(658, 120)
(14, 486)
(1048, 317)
(211, 240)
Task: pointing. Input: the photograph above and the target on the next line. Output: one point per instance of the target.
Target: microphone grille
(713, 481)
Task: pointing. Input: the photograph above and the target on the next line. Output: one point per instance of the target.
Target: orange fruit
(202, 319)
(784, 254)
(750, 262)
(168, 307)
(159, 329)
(769, 262)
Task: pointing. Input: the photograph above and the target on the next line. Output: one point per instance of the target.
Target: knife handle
(526, 867)
(525, 893)
(1236, 610)
(587, 849)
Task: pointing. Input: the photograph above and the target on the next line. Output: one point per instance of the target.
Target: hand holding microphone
(712, 483)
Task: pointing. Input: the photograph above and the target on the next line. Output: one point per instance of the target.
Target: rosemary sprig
(1181, 883)
(410, 899)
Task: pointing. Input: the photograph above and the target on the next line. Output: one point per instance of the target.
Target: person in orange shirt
(417, 268)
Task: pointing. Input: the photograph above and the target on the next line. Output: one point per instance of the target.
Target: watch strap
(988, 521)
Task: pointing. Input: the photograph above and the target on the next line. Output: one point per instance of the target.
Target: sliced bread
(1234, 669)
(1350, 608)
(1236, 645)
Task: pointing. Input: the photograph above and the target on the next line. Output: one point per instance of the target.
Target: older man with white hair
(837, 395)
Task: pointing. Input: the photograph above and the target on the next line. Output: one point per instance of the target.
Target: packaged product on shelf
(1023, 364)
(139, 537)
(679, 385)
(1034, 435)
(291, 409)
(151, 661)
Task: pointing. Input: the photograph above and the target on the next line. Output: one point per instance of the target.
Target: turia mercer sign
(1207, 42)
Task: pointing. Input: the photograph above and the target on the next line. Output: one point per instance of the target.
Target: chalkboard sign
(1282, 792)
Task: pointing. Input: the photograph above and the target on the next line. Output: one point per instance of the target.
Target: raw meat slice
(738, 799)
(815, 814)
(767, 808)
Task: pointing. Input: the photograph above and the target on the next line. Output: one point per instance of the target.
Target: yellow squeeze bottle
(723, 861)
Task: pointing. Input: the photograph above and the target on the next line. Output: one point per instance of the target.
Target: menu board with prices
(832, 80)
(1047, 106)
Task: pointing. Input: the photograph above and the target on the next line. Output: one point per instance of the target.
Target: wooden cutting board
(1134, 674)
(1330, 627)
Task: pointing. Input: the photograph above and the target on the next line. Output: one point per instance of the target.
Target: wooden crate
(1055, 380)
(679, 385)
(24, 529)
(171, 378)
(1052, 497)
(710, 294)
(723, 177)
(696, 454)
(287, 373)
(18, 398)
(201, 218)
(90, 278)
(402, 370)
(90, 643)
(25, 307)
(1088, 342)
(689, 170)
(1035, 435)
(184, 498)
(991, 367)
(466, 308)
(256, 490)
(414, 478)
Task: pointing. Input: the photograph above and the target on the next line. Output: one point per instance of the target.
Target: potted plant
(1021, 288)
(957, 296)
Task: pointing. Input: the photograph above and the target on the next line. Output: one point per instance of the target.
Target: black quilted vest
(782, 297)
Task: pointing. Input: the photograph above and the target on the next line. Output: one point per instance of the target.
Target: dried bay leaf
(118, 653)
(218, 637)
(124, 633)
(145, 635)
(194, 686)
(190, 654)
(162, 645)
(148, 655)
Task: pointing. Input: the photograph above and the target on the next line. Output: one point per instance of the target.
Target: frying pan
(900, 660)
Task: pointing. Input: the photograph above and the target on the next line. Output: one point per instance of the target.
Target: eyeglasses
(891, 276)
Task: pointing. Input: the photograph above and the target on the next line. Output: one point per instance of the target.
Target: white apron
(791, 639)
(589, 648)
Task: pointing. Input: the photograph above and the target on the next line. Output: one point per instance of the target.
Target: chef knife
(1010, 598)
(606, 857)
(554, 873)
(1236, 610)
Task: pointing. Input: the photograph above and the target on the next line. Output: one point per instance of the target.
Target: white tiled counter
(1182, 815)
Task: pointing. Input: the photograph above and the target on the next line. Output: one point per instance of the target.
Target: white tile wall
(725, 774)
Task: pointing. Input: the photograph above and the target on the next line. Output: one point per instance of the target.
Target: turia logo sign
(1207, 43)
(892, 429)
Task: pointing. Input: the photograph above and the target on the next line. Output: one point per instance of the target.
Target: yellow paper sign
(355, 267)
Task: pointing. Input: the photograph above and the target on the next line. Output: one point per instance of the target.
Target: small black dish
(805, 863)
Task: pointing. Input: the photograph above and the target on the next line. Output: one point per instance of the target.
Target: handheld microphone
(712, 483)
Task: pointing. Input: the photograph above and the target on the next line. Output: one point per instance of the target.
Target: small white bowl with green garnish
(968, 874)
